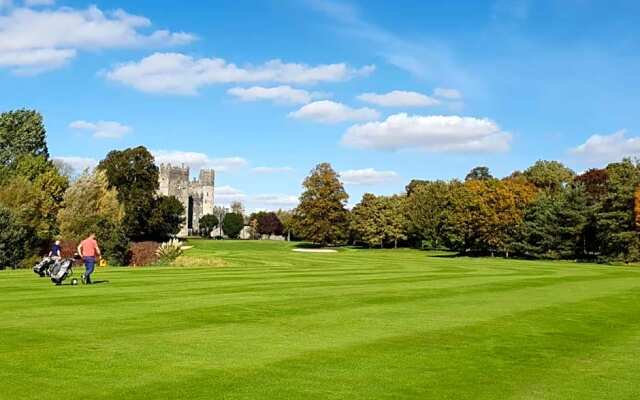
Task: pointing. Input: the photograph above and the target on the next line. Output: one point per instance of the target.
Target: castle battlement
(197, 195)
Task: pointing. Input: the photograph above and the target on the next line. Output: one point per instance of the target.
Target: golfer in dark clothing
(56, 251)
(89, 251)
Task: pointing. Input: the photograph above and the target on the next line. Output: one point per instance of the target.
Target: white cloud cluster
(279, 94)
(227, 194)
(399, 98)
(35, 40)
(77, 164)
(197, 160)
(330, 112)
(429, 133)
(271, 170)
(448, 94)
(102, 129)
(367, 176)
(176, 73)
(271, 201)
(608, 148)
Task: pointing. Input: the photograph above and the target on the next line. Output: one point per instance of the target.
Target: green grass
(357, 324)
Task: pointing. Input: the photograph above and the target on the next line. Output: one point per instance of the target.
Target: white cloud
(197, 160)
(367, 176)
(176, 73)
(35, 40)
(429, 133)
(278, 94)
(271, 201)
(271, 170)
(102, 129)
(328, 112)
(78, 164)
(229, 192)
(448, 94)
(608, 148)
(399, 98)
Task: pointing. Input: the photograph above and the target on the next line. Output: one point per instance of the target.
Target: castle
(196, 196)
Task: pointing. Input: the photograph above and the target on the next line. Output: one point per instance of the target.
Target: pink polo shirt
(89, 247)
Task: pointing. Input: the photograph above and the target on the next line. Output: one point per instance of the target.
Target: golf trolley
(57, 270)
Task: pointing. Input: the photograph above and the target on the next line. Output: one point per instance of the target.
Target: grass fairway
(357, 324)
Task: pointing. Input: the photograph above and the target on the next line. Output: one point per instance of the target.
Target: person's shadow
(99, 282)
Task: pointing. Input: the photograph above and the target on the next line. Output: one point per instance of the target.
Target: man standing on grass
(89, 250)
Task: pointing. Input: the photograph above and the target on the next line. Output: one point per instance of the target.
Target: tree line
(41, 201)
(546, 211)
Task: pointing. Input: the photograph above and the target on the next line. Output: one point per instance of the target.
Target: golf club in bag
(61, 271)
(44, 266)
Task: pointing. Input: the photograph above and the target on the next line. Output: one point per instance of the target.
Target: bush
(12, 240)
(143, 253)
(232, 224)
(113, 242)
(169, 251)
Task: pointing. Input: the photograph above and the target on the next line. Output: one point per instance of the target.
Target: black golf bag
(44, 266)
(61, 270)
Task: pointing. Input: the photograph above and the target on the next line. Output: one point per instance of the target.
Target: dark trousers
(89, 265)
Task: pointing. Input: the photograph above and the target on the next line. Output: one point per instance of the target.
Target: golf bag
(61, 271)
(44, 266)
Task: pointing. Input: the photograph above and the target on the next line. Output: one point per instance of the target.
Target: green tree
(480, 174)
(615, 219)
(232, 224)
(207, 224)
(321, 216)
(91, 206)
(554, 225)
(549, 175)
(134, 175)
(21, 133)
(367, 221)
(286, 217)
(12, 239)
(427, 208)
(167, 217)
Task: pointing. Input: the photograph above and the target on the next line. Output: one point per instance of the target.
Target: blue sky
(264, 90)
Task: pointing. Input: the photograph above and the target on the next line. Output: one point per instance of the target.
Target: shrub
(232, 224)
(12, 240)
(143, 253)
(169, 251)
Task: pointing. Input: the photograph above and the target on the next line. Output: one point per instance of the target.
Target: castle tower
(197, 196)
(207, 182)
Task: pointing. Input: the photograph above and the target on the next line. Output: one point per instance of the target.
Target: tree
(426, 211)
(12, 240)
(269, 224)
(479, 174)
(133, 173)
(286, 217)
(379, 220)
(617, 235)
(207, 224)
(91, 206)
(636, 208)
(367, 221)
(549, 175)
(321, 216)
(167, 218)
(33, 190)
(21, 133)
(554, 225)
(232, 224)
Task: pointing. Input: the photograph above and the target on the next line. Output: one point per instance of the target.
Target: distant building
(196, 196)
